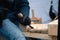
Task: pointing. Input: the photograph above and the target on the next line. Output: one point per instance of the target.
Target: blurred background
(41, 9)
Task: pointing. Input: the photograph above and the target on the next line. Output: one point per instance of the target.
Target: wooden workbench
(52, 32)
(39, 36)
(36, 35)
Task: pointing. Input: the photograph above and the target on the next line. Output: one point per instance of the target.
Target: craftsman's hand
(28, 28)
(24, 20)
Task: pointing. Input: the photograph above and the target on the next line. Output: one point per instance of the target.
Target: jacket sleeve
(23, 7)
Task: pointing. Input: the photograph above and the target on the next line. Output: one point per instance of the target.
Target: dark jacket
(19, 6)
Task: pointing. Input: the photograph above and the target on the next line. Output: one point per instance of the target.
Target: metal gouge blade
(31, 26)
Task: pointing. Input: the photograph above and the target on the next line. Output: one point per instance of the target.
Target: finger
(27, 28)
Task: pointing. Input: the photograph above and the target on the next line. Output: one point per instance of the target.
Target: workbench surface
(36, 35)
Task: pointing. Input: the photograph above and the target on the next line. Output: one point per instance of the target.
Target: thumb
(20, 15)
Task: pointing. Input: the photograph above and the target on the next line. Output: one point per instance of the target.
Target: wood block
(40, 28)
(53, 38)
(53, 28)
